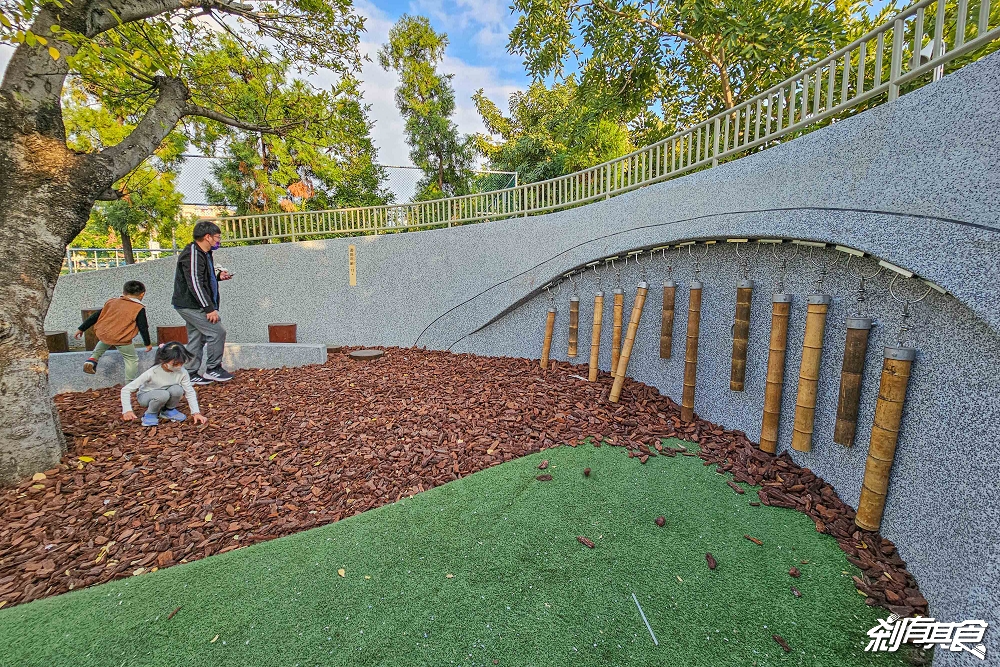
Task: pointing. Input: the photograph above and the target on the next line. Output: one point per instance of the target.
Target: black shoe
(218, 374)
(199, 380)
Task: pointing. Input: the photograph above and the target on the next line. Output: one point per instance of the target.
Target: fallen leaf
(794, 572)
(39, 476)
(711, 561)
(796, 592)
(660, 521)
(541, 466)
(679, 579)
(208, 517)
(450, 576)
(213, 639)
(544, 478)
(754, 540)
(341, 572)
(781, 642)
(584, 541)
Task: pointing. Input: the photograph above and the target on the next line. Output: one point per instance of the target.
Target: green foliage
(151, 203)
(328, 162)
(550, 132)
(687, 60)
(426, 100)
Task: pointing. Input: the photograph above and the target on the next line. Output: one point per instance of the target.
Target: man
(196, 300)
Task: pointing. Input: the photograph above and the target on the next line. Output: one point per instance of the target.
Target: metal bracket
(849, 251)
(892, 267)
(933, 286)
(814, 244)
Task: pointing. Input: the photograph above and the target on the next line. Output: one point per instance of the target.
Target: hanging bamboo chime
(851, 375)
(616, 323)
(741, 334)
(691, 350)
(595, 336)
(626, 353)
(896, 365)
(550, 323)
(781, 306)
(574, 324)
(667, 318)
(812, 354)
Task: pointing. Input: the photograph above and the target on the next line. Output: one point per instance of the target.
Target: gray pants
(156, 400)
(203, 337)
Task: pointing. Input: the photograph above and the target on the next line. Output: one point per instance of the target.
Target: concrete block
(66, 369)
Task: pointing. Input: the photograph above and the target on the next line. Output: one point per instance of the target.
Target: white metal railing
(919, 40)
(92, 259)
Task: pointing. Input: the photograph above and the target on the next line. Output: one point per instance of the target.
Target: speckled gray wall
(915, 182)
(942, 511)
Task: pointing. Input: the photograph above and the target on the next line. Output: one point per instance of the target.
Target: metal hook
(862, 280)
(824, 268)
(905, 301)
(572, 281)
(618, 272)
(745, 258)
(697, 259)
(643, 265)
(904, 326)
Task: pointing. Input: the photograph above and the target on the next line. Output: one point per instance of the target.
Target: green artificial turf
(523, 591)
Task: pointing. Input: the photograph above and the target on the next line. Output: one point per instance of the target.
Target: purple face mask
(217, 245)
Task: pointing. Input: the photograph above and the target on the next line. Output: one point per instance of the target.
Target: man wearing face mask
(196, 300)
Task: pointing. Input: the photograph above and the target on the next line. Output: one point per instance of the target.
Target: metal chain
(779, 286)
(745, 259)
(697, 260)
(824, 268)
(904, 325)
(862, 294)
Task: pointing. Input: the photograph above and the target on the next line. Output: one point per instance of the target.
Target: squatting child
(159, 389)
(116, 324)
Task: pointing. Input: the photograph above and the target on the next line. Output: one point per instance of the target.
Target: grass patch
(523, 590)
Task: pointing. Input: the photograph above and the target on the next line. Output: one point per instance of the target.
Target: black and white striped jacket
(193, 280)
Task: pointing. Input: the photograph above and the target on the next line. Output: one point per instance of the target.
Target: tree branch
(197, 110)
(118, 160)
(104, 15)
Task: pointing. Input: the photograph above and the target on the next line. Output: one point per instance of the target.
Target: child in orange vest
(116, 324)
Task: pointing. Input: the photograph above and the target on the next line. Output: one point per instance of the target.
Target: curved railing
(916, 43)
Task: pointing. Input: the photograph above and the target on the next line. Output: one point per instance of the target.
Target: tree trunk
(40, 212)
(127, 247)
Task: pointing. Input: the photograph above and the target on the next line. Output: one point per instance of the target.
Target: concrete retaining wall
(66, 369)
(915, 182)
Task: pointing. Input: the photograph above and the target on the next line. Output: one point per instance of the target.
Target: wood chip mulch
(290, 449)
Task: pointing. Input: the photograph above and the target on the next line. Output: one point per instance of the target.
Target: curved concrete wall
(915, 182)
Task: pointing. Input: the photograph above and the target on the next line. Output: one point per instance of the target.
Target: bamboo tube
(633, 327)
(741, 335)
(812, 354)
(595, 336)
(691, 351)
(616, 332)
(885, 434)
(574, 324)
(667, 319)
(781, 306)
(851, 376)
(550, 323)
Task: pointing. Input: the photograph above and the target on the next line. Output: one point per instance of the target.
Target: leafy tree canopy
(426, 100)
(549, 132)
